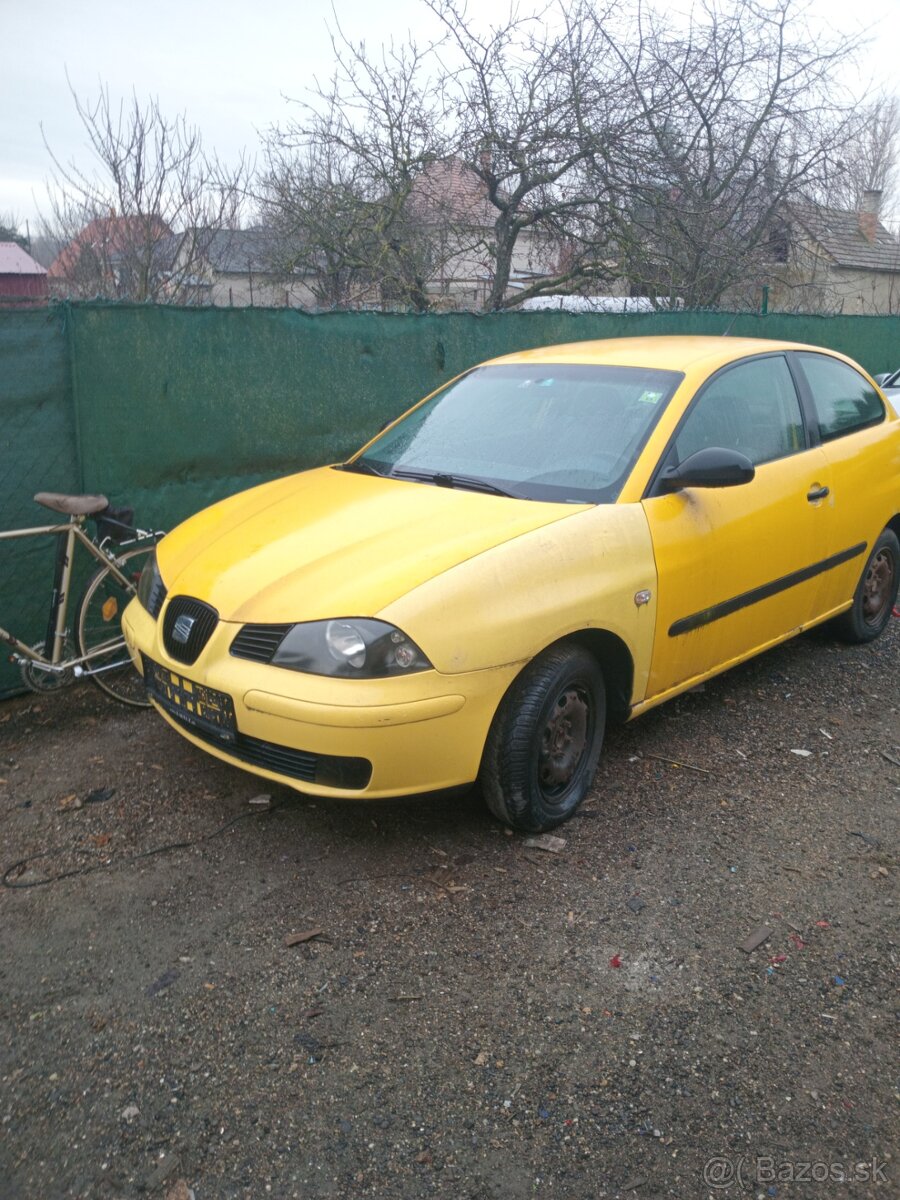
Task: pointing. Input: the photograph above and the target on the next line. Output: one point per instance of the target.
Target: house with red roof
(23, 282)
(126, 258)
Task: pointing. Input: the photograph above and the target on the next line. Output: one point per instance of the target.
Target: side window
(752, 407)
(844, 400)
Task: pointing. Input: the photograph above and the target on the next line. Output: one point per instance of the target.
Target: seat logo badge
(642, 597)
(181, 630)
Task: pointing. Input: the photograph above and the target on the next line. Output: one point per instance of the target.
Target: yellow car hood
(331, 543)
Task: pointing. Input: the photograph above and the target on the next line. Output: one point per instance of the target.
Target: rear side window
(844, 400)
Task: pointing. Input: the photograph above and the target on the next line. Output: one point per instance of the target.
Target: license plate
(193, 703)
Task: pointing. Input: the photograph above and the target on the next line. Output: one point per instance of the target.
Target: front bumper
(421, 732)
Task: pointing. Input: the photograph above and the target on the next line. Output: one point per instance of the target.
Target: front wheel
(99, 627)
(875, 595)
(544, 744)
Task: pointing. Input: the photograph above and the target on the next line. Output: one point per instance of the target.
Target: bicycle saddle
(72, 506)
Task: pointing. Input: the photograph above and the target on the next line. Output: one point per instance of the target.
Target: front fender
(510, 602)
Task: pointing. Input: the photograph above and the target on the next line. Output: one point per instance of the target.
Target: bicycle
(102, 655)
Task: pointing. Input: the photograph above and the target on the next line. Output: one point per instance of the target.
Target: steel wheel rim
(564, 740)
(878, 587)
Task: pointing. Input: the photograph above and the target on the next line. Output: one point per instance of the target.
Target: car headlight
(151, 591)
(350, 647)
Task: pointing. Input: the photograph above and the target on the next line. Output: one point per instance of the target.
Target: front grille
(330, 770)
(187, 627)
(259, 642)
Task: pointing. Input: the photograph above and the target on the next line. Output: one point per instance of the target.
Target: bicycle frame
(54, 644)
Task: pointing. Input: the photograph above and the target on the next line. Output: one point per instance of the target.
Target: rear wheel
(99, 628)
(544, 744)
(876, 593)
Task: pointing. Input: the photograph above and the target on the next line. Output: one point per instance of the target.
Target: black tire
(99, 628)
(544, 744)
(875, 595)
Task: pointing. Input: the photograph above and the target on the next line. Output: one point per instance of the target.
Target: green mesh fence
(37, 453)
(168, 409)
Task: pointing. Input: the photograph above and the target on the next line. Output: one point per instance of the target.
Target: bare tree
(869, 157)
(340, 183)
(11, 231)
(311, 201)
(741, 114)
(589, 144)
(135, 222)
(537, 105)
(469, 162)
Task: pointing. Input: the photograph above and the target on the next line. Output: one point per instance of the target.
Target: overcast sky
(228, 64)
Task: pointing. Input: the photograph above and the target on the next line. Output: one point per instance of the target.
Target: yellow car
(552, 538)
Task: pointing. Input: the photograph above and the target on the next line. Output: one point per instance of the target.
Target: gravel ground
(476, 1018)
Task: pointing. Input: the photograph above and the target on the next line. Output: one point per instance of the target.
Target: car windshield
(538, 432)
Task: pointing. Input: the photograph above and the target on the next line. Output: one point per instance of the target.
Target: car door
(848, 417)
(736, 566)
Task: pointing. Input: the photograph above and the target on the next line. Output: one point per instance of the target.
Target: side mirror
(712, 467)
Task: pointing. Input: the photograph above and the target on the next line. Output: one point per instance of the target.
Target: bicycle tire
(98, 626)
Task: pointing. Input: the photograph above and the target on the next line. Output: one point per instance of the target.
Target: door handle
(816, 493)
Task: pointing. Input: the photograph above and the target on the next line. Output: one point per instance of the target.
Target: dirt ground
(476, 1018)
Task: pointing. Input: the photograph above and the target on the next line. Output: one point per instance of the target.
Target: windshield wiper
(442, 479)
(438, 478)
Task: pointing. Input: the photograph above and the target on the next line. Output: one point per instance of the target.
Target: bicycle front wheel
(99, 627)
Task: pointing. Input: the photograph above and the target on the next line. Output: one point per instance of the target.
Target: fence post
(69, 319)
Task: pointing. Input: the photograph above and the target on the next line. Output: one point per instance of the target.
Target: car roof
(668, 353)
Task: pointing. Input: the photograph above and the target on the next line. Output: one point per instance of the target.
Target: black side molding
(736, 603)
